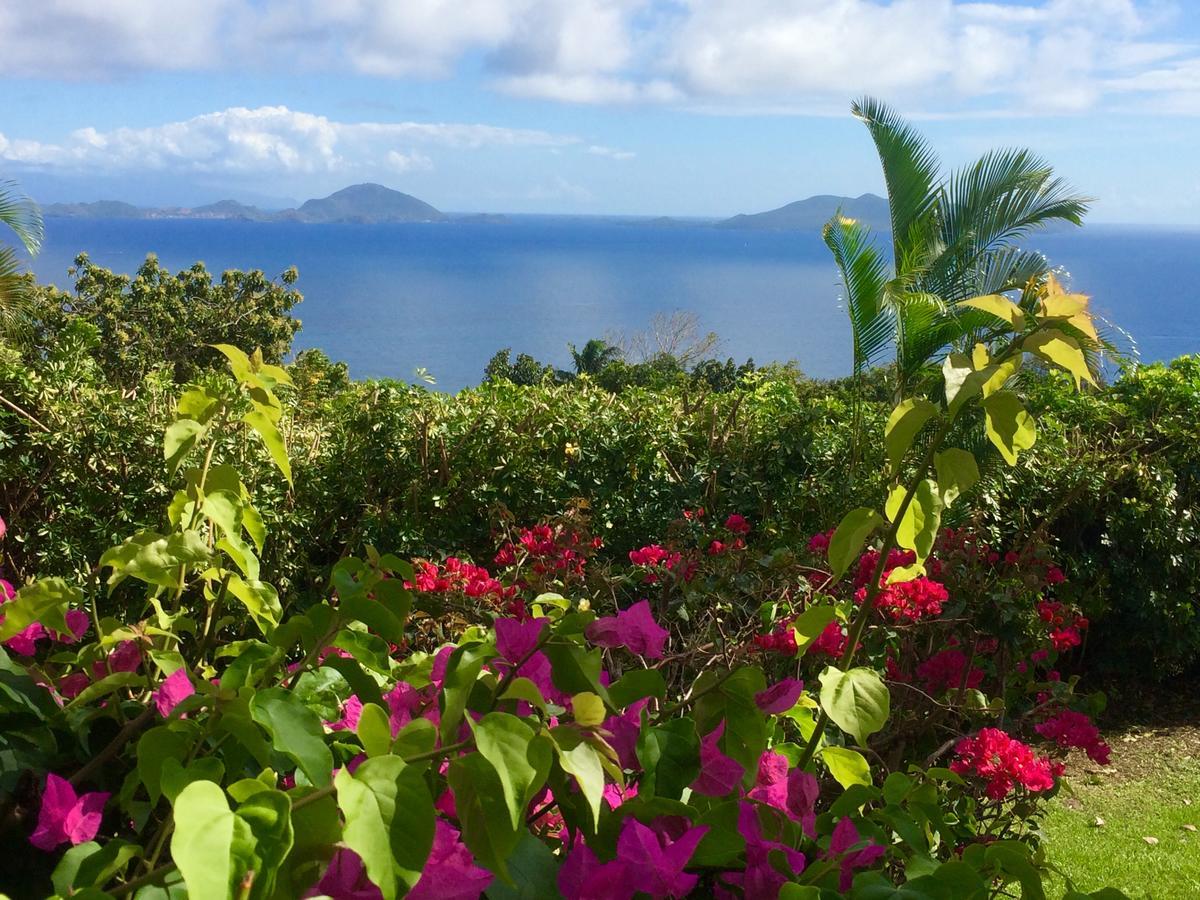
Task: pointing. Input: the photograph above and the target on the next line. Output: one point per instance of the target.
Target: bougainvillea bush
(875, 715)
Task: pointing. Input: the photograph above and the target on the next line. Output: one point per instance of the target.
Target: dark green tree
(595, 355)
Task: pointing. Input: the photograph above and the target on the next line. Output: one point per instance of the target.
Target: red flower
(1003, 762)
(1074, 729)
(737, 524)
(944, 672)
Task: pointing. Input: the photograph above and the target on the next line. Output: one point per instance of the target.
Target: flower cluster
(553, 550)
(1074, 729)
(24, 642)
(1063, 628)
(908, 601)
(947, 671)
(1003, 762)
(457, 576)
(652, 558)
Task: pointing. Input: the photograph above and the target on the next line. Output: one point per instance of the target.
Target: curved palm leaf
(864, 276)
(24, 218)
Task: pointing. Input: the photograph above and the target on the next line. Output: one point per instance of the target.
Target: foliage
(430, 728)
(156, 318)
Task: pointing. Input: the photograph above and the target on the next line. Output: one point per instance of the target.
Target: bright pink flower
(77, 624)
(450, 872)
(125, 658)
(1074, 729)
(583, 877)
(623, 733)
(24, 642)
(716, 548)
(351, 711)
(761, 880)
(514, 641)
(175, 688)
(1054, 575)
(3, 529)
(737, 524)
(819, 543)
(633, 628)
(71, 686)
(944, 672)
(844, 837)
(67, 817)
(345, 878)
(719, 774)
(614, 795)
(794, 792)
(1003, 762)
(780, 697)
(654, 863)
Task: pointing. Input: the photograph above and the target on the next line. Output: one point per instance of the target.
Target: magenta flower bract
(719, 774)
(780, 697)
(67, 817)
(175, 688)
(450, 872)
(633, 628)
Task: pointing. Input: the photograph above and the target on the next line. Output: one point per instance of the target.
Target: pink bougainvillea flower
(623, 731)
(345, 878)
(614, 795)
(175, 688)
(737, 524)
(77, 624)
(719, 774)
(633, 628)
(514, 641)
(67, 817)
(3, 529)
(780, 697)
(654, 863)
(24, 642)
(450, 872)
(1074, 729)
(583, 877)
(761, 880)
(71, 686)
(125, 658)
(1003, 762)
(351, 711)
(794, 792)
(844, 837)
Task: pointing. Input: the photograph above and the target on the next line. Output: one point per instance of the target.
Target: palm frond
(22, 215)
(864, 275)
(910, 169)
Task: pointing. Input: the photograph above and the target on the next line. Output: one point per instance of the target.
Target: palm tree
(21, 215)
(595, 355)
(952, 238)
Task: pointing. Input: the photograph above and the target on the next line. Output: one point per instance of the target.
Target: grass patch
(1097, 833)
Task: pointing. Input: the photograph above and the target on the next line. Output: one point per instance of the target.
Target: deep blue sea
(388, 299)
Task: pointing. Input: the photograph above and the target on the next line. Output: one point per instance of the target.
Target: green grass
(1153, 803)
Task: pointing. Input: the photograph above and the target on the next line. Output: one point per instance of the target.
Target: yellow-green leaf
(999, 306)
(906, 420)
(1062, 350)
(1008, 425)
(270, 435)
(848, 539)
(919, 525)
(846, 766)
(957, 473)
(588, 709)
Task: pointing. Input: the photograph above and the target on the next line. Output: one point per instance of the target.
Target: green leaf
(534, 871)
(90, 865)
(637, 685)
(520, 758)
(416, 738)
(482, 811)
(462, 670)
(178, 441)
(296, 732)
(45, 600)
(268, 814)
(846, 766)
(733, 701)
(522, 688)
(374, 615)
(670, 758)
(269, 432)
(239, 362)
(957, 473)
(261, 601)
(154, 748)
(919, 526)
(1009, 427)
(852, 532)
(389, 820)
(857, 701)
(906, 420)
(375, 730)
(809, 625)
(202, 843)
(155, 558)
(175, 778)
(582, 760)
(1063, 351)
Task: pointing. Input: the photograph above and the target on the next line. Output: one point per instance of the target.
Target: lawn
(1134, 824)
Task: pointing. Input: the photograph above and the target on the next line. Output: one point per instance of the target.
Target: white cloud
(936, 56)
(610, 152)
(270, 139)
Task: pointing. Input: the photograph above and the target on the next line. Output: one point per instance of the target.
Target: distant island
(362, 203)
(812, 214)
(373, 203)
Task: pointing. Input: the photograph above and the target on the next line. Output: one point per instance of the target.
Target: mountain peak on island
(812, 213)
(368, 203)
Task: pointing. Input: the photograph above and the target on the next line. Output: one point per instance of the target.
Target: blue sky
(681, 107)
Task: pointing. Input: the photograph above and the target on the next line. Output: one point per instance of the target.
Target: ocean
(389, 299)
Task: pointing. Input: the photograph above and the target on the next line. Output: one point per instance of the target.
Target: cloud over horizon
(277, 139)
(936, 56)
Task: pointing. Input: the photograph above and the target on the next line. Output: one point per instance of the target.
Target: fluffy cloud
(275, 139)
(1041, 56)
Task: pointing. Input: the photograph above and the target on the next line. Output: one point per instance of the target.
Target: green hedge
(1112, 482)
